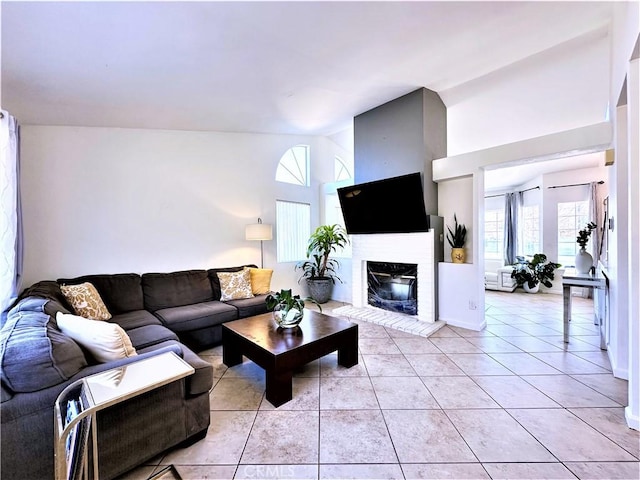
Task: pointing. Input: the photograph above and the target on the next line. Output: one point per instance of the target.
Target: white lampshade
(259, 231)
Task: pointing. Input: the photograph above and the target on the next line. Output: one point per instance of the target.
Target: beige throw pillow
(104, 340)
(86, 301)
(235, 285)
(261, 280)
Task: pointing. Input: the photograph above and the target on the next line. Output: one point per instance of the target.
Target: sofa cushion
(121, 292)
(34, 353)
(248, 307)
(86, 301)
(167, 290)
(234, 285)
(135, 319)
(148, 335)
(215, 281)
(261, 280)
(197, 316)
(105, 341)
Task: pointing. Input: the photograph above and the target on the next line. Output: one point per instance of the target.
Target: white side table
(100, 391)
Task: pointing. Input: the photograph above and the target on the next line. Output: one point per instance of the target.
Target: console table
(93, 393)
(571, 278)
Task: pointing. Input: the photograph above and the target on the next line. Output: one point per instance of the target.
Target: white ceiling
(271, 67)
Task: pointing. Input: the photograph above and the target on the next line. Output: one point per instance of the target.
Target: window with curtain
(572, 217)
(493, 234)
(293, 228)
(10, 215)
(530, 230)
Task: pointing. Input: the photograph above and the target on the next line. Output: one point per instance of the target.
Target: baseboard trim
(454, 322)
(618, 372)
(633, 421)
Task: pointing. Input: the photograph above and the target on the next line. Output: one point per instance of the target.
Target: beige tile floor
(511, 401)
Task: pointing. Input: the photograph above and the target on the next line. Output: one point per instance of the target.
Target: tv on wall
(392, 205)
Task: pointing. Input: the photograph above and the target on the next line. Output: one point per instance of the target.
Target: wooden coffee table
(280, 351)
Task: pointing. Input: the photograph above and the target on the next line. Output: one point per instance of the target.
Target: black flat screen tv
(392, 205)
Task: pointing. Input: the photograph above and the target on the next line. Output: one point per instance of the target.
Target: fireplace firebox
(393, 286)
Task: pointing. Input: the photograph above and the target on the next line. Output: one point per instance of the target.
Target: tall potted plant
(531, 273)
(457, 238)
(319, 270)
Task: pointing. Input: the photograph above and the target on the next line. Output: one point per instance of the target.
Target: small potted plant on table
(584, 260)
(457, 239)
(288, 309)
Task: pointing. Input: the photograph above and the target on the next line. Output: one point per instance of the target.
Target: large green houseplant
(319, 270)
(531, 273)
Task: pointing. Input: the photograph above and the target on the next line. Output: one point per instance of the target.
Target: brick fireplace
(410, 248)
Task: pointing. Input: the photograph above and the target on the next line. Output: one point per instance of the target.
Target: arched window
(294, 166)
(341, 170)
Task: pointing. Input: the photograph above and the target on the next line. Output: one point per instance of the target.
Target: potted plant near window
(584, 260)
(457, 239)
(531, 273)
(319, 270)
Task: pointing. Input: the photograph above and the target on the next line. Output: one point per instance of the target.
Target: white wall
(107, 200)
(560, 89)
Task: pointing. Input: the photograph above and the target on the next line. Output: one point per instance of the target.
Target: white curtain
(595, 217)
(10, 212)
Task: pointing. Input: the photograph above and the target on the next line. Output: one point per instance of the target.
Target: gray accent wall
(400, 137)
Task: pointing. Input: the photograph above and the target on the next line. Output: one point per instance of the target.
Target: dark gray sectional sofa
(178, 311)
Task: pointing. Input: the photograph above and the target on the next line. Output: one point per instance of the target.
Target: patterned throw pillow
(106, 341)
(86, 301)
(235, 285)
(260, 280)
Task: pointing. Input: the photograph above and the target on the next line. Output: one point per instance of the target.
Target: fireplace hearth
(393, 286)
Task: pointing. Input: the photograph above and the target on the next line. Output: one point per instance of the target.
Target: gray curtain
(11, 234)
(512, 204)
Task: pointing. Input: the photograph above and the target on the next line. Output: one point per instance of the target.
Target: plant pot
(584, 261)
(320, 289)
(527, 289)
(287, 317)
(458, 255)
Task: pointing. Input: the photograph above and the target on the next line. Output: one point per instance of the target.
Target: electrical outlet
(472, 305)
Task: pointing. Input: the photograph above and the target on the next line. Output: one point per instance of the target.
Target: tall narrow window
(293, 228)
(294, 166)
(530, 227)
(341, 170)
(493, 234)
(572, 217)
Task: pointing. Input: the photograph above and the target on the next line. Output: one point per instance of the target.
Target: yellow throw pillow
(106, 341)
(261, 280)
(86, 301)
(235, 285)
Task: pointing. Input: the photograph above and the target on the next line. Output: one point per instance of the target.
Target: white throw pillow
(104, 340)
